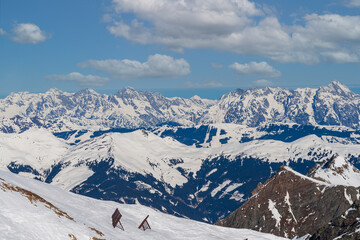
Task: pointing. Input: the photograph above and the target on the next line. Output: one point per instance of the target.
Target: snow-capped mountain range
(141, 147)
(334, 104)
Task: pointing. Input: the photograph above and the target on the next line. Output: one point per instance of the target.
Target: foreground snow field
(30, 209)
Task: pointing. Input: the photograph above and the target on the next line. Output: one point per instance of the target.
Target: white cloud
(176, 22)
(28, 33)
(156, 66)
(237, 26)
(82, 80)
(2, 32)
(209, 83)
(263, 83)
(260, 69)
(340, 57)
(353, 3)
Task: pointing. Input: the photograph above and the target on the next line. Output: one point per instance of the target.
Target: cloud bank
(80, 79)
(156, 66)
(239, 26)
(260, 69)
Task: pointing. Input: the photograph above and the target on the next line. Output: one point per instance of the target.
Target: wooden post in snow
(145, 225)
(116, 219)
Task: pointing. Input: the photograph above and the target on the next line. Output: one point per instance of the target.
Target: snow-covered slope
(139, 151)
(334, 104)
(337, 171)
(200, 177)
(146, 153)
(31, 153)
(30, 209)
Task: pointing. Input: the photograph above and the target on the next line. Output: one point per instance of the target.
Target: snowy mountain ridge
(337, 171)
(147, 152)
(334, 104)
(201, 172)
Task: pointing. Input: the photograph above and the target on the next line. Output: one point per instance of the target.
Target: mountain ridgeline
(203, 172)
(334, 104)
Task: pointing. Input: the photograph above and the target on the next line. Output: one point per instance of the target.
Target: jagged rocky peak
(256, 92)
(345, 226)
(336, 171)
(54, 91)
(337, 88)
(290, 204)
(127, 92)
(87, 91)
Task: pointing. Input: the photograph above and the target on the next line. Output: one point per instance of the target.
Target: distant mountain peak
(338, 88)
(336, 83)
(88, 91)
(196, 97)
(54, 91)
(128, 89)
(128, 92)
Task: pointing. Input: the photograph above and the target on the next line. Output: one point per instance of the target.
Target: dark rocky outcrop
(290, 204)
(344, 227)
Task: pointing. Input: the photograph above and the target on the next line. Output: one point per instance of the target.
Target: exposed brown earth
(33, 198)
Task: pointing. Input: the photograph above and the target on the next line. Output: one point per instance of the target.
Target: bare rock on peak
(291, 204)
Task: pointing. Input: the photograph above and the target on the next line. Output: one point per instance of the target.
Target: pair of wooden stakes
(116, 220)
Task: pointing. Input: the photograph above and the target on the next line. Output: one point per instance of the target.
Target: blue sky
(177, 47)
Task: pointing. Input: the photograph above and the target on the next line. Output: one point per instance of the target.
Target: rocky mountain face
(346, 226)
(334, 104)
(327, 105)
(290, 204)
